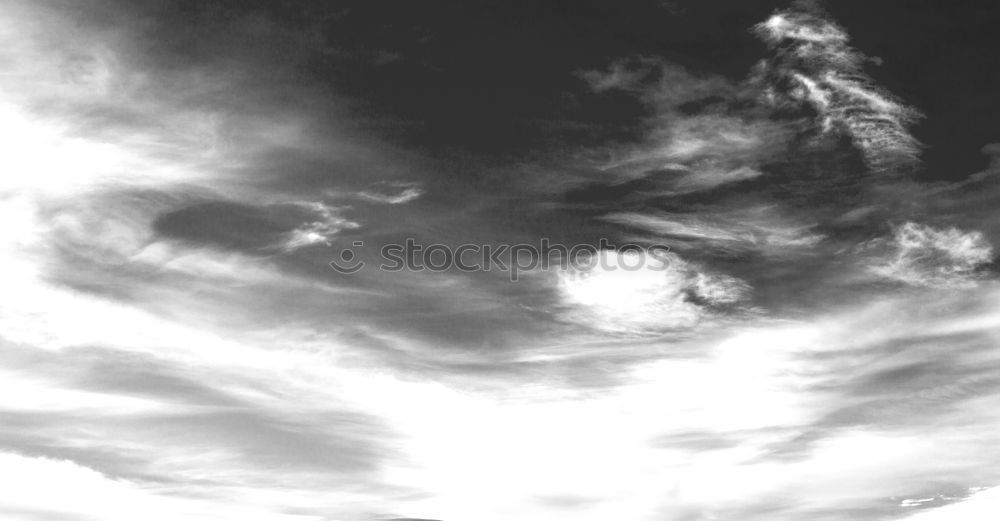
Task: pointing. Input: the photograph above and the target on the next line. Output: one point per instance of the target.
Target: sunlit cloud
(631, 291)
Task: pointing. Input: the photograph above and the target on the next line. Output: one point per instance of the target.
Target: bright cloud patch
(633, 292)
(328, 224)
(926, 256)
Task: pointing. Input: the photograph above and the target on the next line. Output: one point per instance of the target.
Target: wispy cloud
(923, 255)
(815, 66)
(406, 192)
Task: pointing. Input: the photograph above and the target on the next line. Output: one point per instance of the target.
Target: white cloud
(634, 293)
(406, 195)
(720, 289)
(328, 224)
(801, 27)
(762, 228)
(710, 176)
(828, 76)
(925, 256)
(982, 505)
(83, 493)
(615, 299)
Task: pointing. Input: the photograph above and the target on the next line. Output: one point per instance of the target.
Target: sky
(816, 340)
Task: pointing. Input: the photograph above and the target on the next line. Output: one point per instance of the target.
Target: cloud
(719, 289)
(925, 256)
(691, 129)
(408, 192)
(980, 506)
(761, 229)
(320, 231)
(814, 66)
(614, 299)
(656, 81)
(633, 293)
(708, 178)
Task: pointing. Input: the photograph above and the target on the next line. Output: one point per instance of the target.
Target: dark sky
(497, 77)
(488, 76)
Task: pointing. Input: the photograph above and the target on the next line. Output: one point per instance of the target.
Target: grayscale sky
(820, 341)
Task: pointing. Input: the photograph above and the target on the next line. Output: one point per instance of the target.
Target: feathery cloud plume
(814, 66)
